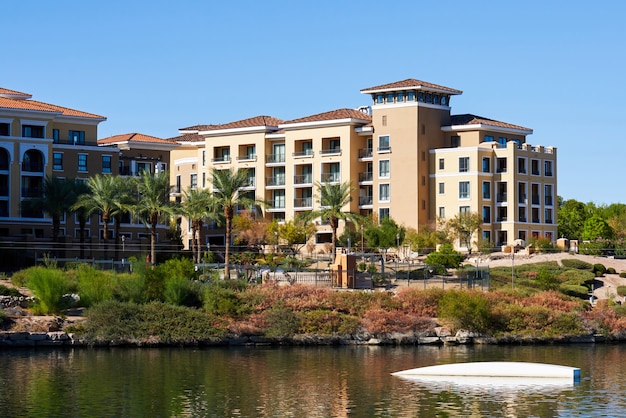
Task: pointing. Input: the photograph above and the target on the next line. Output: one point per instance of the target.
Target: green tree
(572, 215)
(296, 232)
(331, 199)
(153, 203)
(446, 256)
(463, 226)
(596, 227)
(103, 198)
(386, 235)
(227, 185)
(79, 188)
(425, 240)
(198, 205)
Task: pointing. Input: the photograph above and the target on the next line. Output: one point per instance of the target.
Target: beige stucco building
(407, 156)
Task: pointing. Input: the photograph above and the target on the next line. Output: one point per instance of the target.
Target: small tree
(446, 256)
(463, 227)
(296, 233)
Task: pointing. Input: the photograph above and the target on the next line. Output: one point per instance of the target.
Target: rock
(442, 331)
(429, 340)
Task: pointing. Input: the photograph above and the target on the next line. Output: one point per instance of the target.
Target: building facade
(405, 153)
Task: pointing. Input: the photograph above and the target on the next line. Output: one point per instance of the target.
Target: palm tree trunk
(153, 234)
(228, 212)
(199, 227)
(193, 240)
(333, 227)
(105, 220)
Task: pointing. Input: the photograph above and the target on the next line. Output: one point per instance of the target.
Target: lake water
(298, 382)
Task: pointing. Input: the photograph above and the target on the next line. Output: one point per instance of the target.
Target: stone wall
(37, 339)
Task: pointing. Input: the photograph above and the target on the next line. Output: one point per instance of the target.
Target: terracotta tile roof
(21, 103)
(256, 121)
(132, 137)
(187, 138)
(333, 115)
(411, 83)
(7, 92)
(469, 119)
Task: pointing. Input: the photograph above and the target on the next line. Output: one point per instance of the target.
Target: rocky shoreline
(21, 339)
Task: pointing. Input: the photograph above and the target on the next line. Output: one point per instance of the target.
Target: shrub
(546, 279)
(220, 299)
(611, 270)
(380, 321)
(467, 310)
(577, 277)
(325, 322)
(622, 274)
(574, 290)
(130, 288)
(574, 263)
(420, 302)
(94, 286)
(599, 270)
(446, 256)
(181, 291)
(49, 285)
(621, 290)
(281, 322)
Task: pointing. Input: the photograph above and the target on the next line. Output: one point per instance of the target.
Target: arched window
(33, 161)
(4, 159)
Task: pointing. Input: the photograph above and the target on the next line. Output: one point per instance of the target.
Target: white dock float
(497, 369)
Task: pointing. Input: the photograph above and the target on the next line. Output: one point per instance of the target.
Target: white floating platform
(496, 369)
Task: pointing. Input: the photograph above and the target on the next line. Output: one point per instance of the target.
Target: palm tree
(103, 197)
(226, 186)
(79, 188)
(57, 200)
(332, 198)
(153, 203)
(199, 204)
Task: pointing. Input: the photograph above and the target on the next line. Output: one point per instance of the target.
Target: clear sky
(156, 66)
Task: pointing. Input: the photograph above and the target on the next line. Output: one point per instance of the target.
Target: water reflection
(297, 382)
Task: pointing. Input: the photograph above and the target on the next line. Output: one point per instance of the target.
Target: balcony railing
(535, 172)
(365, 200)
(275, 181)
(303, 179)
(548, 220)
(304, 153)
(522, 219)
(522, 198)
(32, 191)
(251, 182)
(331, 177)
(535, 220)
(502, 197)
(548, 200)
(222, 159)
(548, 173)
(501, 170)
(303, 202)
(277, 205)
(535, 199)
(501, 219)
(330, 151)
(275, 158)
(366, 176)
(4, 190)
(384, 148)
(366, 153)
(247, 157)
(33, 167)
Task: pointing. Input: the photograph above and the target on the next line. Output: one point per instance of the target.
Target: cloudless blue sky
(156, 66)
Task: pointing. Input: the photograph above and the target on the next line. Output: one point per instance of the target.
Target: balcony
(366, 153)
(501, 219)
(502, 197)
(548, 200)
(275, 159)
(522, 198)
(501, 170)
(303, 202)
(522, 219)
(330, 151)
(32, 166)
(548, 220)
(331, 177)
(366, 176)
(366, 200)
(250, 183)
(303, 179)
(275, 181)
(535, 220)
(535, 199)
(548, 173)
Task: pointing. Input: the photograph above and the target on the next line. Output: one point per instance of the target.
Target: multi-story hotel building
(406, 155)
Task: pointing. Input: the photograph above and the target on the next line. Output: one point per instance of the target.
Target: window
(501, 168)
(547, 195)
(5, 129)
(82, 162)
(488, 138)
(463, 164)
(442, 188)
(410, 96)
(548, 216)
(389, 97)
(383, 143)
(57, 158)
(547, 168)
(534, 167)
(442, 212)
(32, 131)
(486, 190)
(487, 236)
(502, 141)
(383, 190)
(486, 165)
(76, 138)
(383, 168)
(521, 214)
(420, 96)
(203, 180)
(441, 164)
(464, 192)
(203, 157)
(106, 164)
(436, 99)
(455, 141)
(486, 214)
(193, 180)
(464, 209)
(400, 97)
(379, 98)
(383, 213)
(178, 184)
(55, 136)
(521, 165)
(278, 199)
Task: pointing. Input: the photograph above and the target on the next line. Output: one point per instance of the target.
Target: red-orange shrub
(422, 303)
(379, 321)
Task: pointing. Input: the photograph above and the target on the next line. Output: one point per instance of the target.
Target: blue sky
(157, 66)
